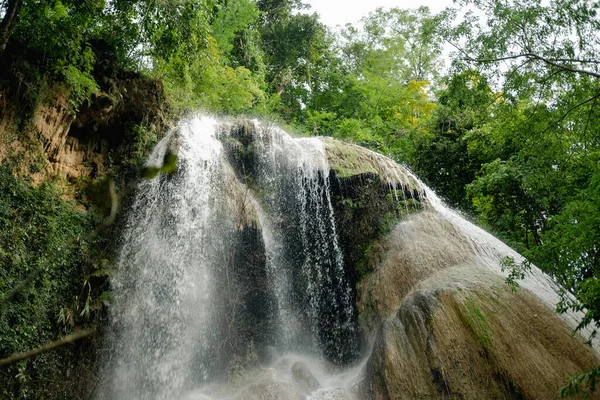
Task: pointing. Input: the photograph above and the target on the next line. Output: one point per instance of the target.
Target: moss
(476, 322)
(374, 195)
(349, 160)
(372, 255)
(367, 209)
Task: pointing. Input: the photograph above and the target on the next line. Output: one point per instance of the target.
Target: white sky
(339, 12)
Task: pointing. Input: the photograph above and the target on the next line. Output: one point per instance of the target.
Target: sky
(340, 12)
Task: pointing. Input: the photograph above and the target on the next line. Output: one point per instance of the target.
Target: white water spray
(231, 281)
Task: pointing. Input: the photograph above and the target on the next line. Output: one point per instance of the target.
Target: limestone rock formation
(73, 144)
(431, 292)
(332, 258)
(450, 327)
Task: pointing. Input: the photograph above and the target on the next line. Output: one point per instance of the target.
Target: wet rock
(304, 377)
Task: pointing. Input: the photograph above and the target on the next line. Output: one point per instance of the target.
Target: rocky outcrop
(371, 194)
(60, 141)
(444, 321)
(430, 293)
(304, 377)
(448, 326)
(51, 124)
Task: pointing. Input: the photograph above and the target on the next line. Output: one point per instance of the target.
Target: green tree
(406, 42)
(295, 45)
(371, 87)
(442, 157)
(538, 186)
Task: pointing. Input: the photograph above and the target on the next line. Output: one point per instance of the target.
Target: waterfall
(236, 277)
(164, 283)
(185, 292)
(305, 261)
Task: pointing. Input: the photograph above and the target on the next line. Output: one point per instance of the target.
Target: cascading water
(164, 285)
(305, 259)
(233, 280)
(188, 299)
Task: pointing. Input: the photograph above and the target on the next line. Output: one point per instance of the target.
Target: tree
(11, 11)
(544, 121)
(539, 185)
(408, 40)
(442, 156)
(369, 88)
(294, 45)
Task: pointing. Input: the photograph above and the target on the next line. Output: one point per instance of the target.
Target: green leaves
(516, 271)
(443, 157)
(500, 198)
(169, 166)
(368, 86)
(39, 231)
(584, 383)
(232, 18)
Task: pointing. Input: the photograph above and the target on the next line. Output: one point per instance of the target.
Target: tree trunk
(8, 22)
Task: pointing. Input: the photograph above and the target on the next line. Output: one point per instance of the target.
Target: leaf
(150, 172)
(169, 163)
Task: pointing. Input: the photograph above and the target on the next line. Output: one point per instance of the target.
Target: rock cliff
(53, 140)
(429, 291)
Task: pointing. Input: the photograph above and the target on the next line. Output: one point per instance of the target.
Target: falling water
(305, 260)
(231, 270)
(192, 291)
(164, 285)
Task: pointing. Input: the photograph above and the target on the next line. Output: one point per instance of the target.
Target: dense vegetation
(45, 237)
(509, 132)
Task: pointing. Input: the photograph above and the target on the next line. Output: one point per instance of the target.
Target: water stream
(218, 275)
(231, 282)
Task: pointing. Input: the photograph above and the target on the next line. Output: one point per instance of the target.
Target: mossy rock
(372, 194)
(349, 160)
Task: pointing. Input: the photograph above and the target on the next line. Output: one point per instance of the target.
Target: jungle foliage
(508, 132)
(47, 240)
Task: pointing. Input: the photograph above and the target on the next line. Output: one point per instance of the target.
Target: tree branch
(593, 98)
(8, 22)
(575, 60)
(587, 122)
(533, 56)
(47, 347)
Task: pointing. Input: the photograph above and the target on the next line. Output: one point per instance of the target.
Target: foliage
(206, 83)
(407, 42)
(232, 18)
(534, 38)
(516, 271)
(535, 182)
(168, 167)
(584, 383)
(40, 231)
(442, 156)
(296, 48)
(81, 44)
(370, 87)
